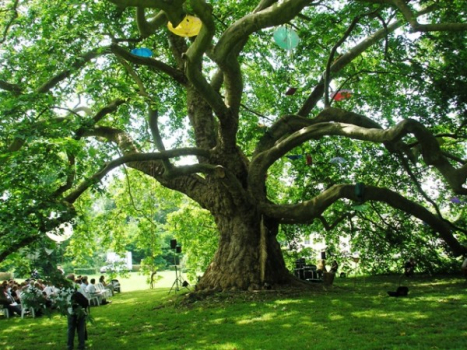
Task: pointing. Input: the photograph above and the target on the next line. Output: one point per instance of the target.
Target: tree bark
(248, 257)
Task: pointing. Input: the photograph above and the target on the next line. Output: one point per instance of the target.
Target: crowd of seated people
(92, 291)
(43, 296)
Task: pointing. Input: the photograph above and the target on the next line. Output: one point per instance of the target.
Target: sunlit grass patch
(341, 317)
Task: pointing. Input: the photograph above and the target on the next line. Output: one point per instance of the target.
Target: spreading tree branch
(147, 28)
(79, 63)
(151, 63)
(131, 158)
(173, 9)
(431, 151)
(411, 18)
(14, 88)
(307, 211)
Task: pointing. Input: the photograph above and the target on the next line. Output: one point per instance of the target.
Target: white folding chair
(6, 312)
(106, 293)
(95, 298)
(24, 310)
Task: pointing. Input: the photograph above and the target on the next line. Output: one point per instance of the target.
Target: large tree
(379, 111)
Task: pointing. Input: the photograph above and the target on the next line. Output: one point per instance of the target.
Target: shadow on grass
(351, 315)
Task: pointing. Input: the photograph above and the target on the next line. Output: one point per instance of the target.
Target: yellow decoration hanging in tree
(189, 26)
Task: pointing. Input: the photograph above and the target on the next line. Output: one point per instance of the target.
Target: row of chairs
(104, 293)
(95, 299)
(24, 311)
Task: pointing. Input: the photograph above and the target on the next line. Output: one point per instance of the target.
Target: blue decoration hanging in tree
(142, 52)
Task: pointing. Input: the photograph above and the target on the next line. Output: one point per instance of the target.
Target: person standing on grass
(77, 312)
(409, 267)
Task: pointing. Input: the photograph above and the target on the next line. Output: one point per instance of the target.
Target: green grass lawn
(352, 314)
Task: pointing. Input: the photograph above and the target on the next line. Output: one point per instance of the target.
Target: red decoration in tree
(309, 160)
(342, 95)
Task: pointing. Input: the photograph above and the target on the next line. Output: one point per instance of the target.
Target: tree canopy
(353, 125)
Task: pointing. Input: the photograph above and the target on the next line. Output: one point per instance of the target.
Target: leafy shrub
(85, 271)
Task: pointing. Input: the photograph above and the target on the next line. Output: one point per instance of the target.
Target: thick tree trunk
(248, 257)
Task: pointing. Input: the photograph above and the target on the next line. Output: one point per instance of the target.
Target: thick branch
(193, 60)
(276, 14)
(430, 149)
(173, 9)
(307, 211)
(137, 157)
(150, 62)
(291, 123)
(14, 88)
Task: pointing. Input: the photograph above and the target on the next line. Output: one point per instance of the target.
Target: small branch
(10, 22)
(331, 59)
(336, 222)
(134, 75)
(348, 57)
(147, 28)
(417, 27)
(79, 63)
(110, 108)
(173, 8)
(14, 88)
(414, 179)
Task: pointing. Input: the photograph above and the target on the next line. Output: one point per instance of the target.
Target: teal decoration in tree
(286, 38)
(294, 156)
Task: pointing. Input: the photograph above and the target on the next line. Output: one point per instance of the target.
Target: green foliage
(194, 228)
(60, 75)
(84, 271)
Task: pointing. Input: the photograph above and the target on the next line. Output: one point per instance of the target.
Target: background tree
(209, 116)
